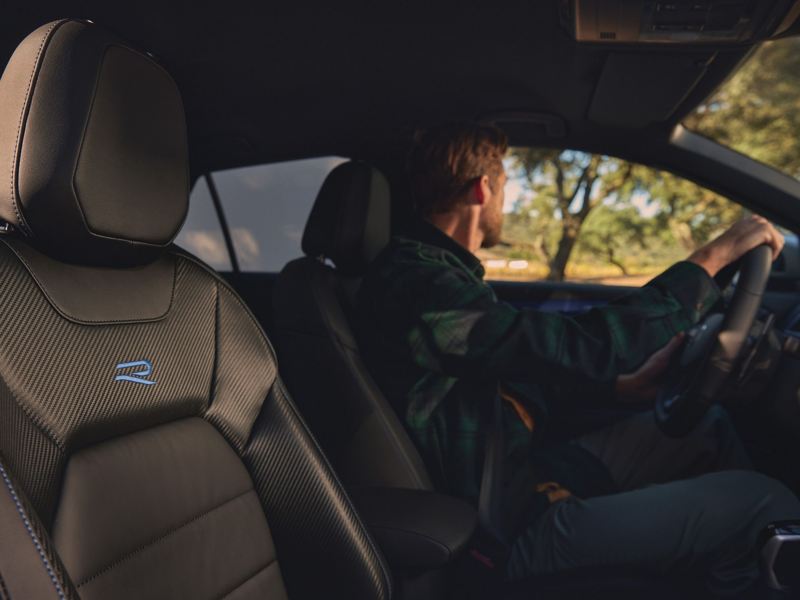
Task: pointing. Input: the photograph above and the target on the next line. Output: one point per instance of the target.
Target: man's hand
(737, 241)
(643, 384)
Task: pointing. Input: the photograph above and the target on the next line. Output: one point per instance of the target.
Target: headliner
(263, 84)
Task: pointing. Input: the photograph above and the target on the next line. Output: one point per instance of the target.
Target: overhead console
(679, 21)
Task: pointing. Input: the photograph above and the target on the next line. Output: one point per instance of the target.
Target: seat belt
(25, 569)
(490, 515)
(490, 547)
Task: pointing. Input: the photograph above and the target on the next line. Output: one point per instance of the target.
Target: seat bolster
(29, 566)
(322, 543)
(343, 405)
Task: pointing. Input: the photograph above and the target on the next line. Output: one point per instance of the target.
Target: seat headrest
(350, 221)
(93, 137)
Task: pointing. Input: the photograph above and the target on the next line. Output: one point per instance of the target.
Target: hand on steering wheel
(712, 349)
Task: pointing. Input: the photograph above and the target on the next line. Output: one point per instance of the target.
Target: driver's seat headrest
(93, 137)
(350, 221)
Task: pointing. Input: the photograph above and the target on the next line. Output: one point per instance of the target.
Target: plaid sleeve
(464, 331)
(691, 285)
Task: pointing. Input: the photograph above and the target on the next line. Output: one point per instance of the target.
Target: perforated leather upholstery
(355, 424)
(142, 417)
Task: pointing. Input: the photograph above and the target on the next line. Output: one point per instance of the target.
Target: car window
(574, 216)
(266, 208)
(201, 233)
(757, 111)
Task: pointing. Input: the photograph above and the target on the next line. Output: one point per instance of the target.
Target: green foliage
(583, 213)
(588, 213)
(757, 111)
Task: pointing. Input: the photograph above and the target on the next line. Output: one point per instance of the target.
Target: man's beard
(492, 227)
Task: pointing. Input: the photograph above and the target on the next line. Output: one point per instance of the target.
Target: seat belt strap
(490, 515)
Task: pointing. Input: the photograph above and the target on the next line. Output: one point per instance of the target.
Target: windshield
(757, 111)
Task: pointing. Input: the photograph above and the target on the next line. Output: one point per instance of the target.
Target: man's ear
(481, 190)
(478, 192)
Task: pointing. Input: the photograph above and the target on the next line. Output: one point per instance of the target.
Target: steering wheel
(713, 348)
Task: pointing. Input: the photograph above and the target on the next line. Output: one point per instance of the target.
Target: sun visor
(524, 127)
(635, 90)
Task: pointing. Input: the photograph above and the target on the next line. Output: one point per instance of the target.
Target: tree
(757, 111)
(692, 214)
(574, 183)
(608, 210)
(612, 233)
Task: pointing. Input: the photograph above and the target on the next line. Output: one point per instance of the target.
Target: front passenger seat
(148, 448)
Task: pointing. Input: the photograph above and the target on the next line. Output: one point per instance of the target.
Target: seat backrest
(145, 435)
(356, 426)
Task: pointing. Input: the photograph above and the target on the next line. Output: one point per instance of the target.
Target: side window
(574, 216)
(266, 208)
(201, 233)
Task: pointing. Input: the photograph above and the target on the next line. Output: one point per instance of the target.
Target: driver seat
(148, 448)
(313, 303)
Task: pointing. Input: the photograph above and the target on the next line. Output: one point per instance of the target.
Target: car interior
(184, 409)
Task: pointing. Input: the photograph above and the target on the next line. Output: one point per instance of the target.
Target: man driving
(443, 348)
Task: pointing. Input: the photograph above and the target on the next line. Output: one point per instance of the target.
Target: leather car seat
(148, 448)
(358, 429)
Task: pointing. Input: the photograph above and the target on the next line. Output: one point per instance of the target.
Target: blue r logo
(145, 368)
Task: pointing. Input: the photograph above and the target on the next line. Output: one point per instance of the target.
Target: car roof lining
(264, 84)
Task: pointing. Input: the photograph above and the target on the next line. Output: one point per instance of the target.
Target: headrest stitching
(25, 105)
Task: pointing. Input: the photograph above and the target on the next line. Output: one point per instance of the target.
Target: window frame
(223, 221)
(207, 178)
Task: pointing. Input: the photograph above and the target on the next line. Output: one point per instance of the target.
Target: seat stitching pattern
(73, 319)
(4, 595)
(48, 567)
(25, 104)
(215, 367)
(116, 563)
(248, 578)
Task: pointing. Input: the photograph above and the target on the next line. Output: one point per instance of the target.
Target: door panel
(556, 296)
(782, 297)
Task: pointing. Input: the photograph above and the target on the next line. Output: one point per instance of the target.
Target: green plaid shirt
(439, 343)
